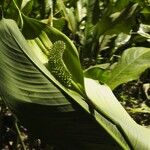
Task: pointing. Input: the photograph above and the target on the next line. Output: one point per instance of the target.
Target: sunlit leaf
(105, 102)
(132, 63)
(144, 31)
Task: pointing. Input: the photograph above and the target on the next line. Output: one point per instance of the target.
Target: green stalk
(45, 40)
(51, 14)
(41, 46)
(20, 15)
(19, 134)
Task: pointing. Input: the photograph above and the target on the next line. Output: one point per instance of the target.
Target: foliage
(32, 87)
(135, 58)
(41, 68)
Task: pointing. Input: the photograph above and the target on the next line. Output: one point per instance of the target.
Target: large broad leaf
(105, 102)
(35, 96)
(132, 63)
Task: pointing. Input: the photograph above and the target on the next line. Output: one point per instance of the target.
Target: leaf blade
(106, 103)
(132, 63)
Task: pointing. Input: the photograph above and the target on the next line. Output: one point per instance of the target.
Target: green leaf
(26, 86)
(96, 72)
(106, 103)
(144, 30)
(35, 96)
(112, 23)
(26, 7)
(132, 63)
(69, 15)
(119, 5)
(19, 67)
(59, 23)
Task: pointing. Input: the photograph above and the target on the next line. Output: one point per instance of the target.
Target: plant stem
(21, 19)
(51, 14)
(19, 134)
